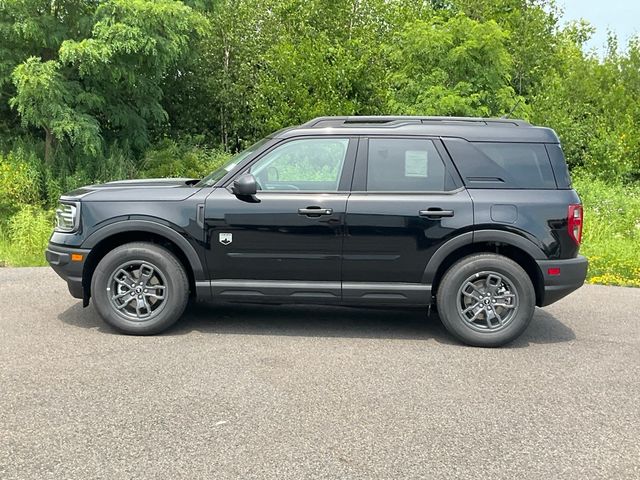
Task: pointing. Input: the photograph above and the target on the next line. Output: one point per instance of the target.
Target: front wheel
(140, 288)
(486, 300)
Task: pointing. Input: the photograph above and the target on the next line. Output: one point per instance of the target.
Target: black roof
(469, 128)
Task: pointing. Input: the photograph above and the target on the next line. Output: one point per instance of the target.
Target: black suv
(476, 216)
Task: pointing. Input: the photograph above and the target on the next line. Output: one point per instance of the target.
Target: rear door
(286, 242)
(407, 200)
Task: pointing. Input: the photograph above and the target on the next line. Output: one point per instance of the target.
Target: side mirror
(245, 186)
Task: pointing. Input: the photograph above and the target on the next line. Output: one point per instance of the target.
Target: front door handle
(315, 211)
(435, 213)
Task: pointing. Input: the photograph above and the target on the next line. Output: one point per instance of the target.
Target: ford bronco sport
(475, 216)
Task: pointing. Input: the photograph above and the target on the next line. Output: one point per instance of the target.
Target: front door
(285, 243)
(406, 203)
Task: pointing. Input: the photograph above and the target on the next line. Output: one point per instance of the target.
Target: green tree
(220, 73)
(457, 66)
(533, 32)
(46, 100)
(268, 63)
(100, 74)
(592, 104)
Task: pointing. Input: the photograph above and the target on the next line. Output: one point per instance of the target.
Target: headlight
(67, 217)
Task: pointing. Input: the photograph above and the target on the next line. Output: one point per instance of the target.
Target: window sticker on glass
(416, 163)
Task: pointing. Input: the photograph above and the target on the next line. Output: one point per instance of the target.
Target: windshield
(230, 165)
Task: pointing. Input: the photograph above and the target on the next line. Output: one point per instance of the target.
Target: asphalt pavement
(314, 392)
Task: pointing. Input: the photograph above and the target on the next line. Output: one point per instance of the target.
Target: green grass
(24, 237)
(611, 238)
(611, 234)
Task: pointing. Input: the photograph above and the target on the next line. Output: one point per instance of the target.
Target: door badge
(225, 238)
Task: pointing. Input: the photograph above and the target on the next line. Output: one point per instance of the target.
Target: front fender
(165, 231)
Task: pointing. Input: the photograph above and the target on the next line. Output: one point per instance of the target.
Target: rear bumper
(573, 273)
(59, 258)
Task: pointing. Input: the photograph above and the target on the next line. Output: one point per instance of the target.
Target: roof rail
(387, 120)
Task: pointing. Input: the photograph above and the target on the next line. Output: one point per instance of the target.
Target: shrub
(171, 158)
(24, 238)
(19, 181)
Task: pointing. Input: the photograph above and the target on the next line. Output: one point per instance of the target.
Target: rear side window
(404, 165)
(502, 165)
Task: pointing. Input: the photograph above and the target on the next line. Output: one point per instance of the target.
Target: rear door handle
(315, 211)
(436, 212)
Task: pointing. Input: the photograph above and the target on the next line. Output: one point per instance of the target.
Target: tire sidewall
(448, 298)
(173, 272)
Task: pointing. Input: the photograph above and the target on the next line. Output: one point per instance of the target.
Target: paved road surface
(274, 392)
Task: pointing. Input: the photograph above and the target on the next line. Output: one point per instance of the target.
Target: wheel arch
(517, 248)
(119, 233)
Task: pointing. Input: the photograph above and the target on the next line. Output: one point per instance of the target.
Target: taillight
(574, 223)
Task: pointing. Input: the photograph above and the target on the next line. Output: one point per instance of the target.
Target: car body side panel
(537, 215)
(268, 239)
(387, 240)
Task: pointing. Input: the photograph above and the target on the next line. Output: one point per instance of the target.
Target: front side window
(230, 164)
(311, 164)
(400, 164)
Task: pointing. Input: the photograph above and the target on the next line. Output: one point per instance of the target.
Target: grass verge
(611, 238)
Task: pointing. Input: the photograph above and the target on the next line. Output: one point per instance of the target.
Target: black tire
(163, 305)
(484, 269)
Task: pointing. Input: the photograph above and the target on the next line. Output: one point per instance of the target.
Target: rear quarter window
(559, 164)
(502, 164)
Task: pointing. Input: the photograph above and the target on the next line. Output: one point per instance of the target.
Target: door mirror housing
(245, 186)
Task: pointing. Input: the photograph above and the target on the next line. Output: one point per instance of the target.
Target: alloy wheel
(487, 301)
(137, 290)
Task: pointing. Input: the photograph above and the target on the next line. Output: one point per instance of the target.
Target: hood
(150, 189)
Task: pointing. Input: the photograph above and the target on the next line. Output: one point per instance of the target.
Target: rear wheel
(140, 288)
(486, 300)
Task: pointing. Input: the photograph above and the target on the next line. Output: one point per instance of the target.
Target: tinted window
(502, 165)
(313, 164)
(559, 165)
(402, 164)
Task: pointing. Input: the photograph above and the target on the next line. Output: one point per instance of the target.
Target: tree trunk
(223, 111)
(48, 146)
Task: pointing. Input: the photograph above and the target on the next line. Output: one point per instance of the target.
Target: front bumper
(573, 273)
(59, 258)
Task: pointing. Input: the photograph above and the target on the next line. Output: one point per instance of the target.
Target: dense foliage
(96, 90)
